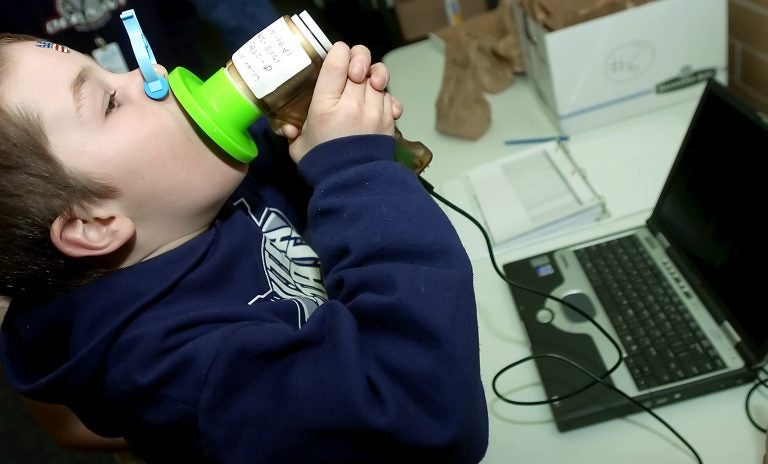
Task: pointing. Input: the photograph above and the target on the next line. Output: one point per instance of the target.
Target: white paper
(527, 196)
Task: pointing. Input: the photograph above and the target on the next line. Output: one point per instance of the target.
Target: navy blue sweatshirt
(246, 345)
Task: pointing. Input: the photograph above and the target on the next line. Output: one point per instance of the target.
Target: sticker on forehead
(52, 46)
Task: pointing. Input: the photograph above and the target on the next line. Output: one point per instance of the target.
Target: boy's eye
(112, 104)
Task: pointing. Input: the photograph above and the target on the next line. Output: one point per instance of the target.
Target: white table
(627, 163)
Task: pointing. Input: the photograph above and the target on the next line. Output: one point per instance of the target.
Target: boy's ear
(96, 232)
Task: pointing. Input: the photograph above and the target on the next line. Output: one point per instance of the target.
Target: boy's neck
(142, 255)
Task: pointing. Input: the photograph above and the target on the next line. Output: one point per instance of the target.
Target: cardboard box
(626, 63)
(557, 14)
(417, 18)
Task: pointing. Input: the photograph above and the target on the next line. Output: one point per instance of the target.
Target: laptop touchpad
(582, 302)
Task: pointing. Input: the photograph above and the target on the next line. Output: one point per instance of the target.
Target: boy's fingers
(284, 129)
(389, 116)
(374, 97)
(397, 108)
(289, 131)
(354, 95)
(333, 73)
(379, 76)
(380, 112)
(359, 63)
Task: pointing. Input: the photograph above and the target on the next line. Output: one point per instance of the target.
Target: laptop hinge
(731, 334)
(662, 240)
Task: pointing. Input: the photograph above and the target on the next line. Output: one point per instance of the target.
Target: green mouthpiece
(219, 109)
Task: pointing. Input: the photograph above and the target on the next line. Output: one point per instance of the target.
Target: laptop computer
(681, 294)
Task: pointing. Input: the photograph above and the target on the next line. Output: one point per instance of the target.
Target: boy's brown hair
(35, 188)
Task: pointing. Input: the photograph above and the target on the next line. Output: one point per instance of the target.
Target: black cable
(595, 378)
(609, 386)
(758, 383)
(496, 268)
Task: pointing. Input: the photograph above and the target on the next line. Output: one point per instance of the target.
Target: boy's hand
(343, 104)
(360, 69)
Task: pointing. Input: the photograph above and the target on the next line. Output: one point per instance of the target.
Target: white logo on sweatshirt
(83, 15)
(290, 264)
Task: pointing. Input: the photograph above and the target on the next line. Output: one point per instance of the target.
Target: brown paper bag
(494, 45)
(481, 55)
(495, 70)
(462, 109)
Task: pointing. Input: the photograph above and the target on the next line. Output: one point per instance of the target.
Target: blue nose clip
(155, 86)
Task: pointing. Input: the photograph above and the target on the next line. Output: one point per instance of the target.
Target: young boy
(163, 292)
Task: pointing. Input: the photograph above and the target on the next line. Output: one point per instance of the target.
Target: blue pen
(554, 138)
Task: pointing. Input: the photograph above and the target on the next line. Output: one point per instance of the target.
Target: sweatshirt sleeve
(388, 367)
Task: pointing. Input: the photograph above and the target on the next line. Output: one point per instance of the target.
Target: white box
(604, 70)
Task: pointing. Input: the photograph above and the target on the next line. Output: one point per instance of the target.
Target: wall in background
(748, 51)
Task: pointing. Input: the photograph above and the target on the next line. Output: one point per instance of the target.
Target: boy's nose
(134, 83)
(154, 83)
(160, 69)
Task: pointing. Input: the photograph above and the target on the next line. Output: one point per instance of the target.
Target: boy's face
(103, 125)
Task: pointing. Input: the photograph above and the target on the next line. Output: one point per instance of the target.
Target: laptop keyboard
(663, 342)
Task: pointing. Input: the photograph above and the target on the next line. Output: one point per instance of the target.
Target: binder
(530, 195)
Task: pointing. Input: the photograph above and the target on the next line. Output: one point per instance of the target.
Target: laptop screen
(713, 204)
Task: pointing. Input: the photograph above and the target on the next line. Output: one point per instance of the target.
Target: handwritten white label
(270, 58)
